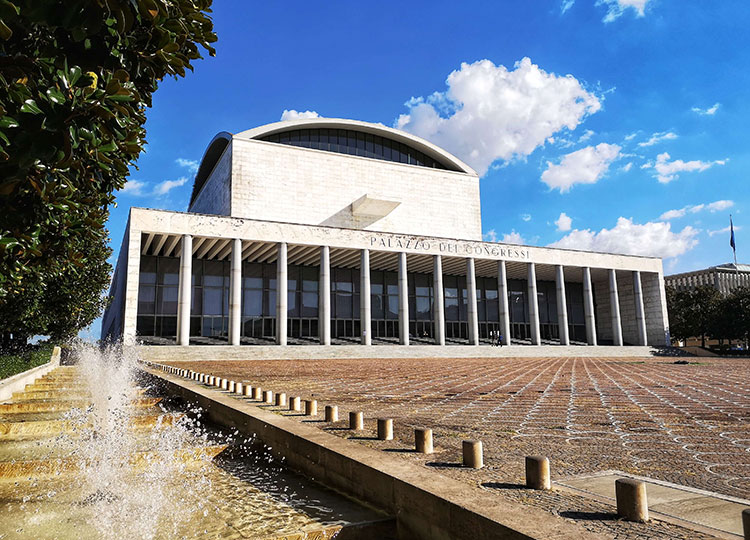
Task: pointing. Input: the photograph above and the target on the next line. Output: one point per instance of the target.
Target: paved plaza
(683, 423)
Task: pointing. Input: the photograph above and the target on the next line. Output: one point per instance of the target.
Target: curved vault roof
(219, 143)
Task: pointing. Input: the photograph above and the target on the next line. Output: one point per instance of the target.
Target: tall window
(345, 302)
(384, 303)
(157, 296)
(420, 305)
(259, 299)
(210, 305)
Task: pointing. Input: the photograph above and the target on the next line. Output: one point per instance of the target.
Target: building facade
(724, 278)
(371, 235)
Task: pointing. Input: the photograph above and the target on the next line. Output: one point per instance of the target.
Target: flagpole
(734, 246)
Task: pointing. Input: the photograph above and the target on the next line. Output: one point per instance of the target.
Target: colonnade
(324, 307)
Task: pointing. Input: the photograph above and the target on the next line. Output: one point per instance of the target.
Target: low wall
(426, 504)
(18, 382)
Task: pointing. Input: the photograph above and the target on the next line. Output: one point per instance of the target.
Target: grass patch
(18, 362)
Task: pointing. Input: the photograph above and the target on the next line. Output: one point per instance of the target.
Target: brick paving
(687, 424)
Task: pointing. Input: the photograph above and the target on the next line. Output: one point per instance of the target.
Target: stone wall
(603, 312)
(215, 196)
(112, 319)
(626, 296)
(655, 305)
(298, 185)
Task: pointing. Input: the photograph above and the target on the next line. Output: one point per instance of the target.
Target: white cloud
(666, 170)
(512, 238)
(189, 164)
(615, 8)
(627, 167)
(653, 239)
(584, 166)
(490, 236)
(716, 206)
(586, 135)
(707, 112)
(563, 222)
(165, 187)
(566, 5)
(631, 136)
(490, 112)
(725, 230)
(526, 217)
(658, 137)
(291, 114)
(134, 187)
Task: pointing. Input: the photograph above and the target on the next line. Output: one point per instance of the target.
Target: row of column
(324, 306)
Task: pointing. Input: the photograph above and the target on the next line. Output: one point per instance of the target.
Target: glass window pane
(212, 301)
(252, 305)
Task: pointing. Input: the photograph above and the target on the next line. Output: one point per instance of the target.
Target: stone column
(281, 294)
(471, 291)
(235, 293)
(502, 301)
(640, 312)
(365, 310)
(185, 291)
(403, 300)
(588, 307)
(536, 334)
(324, 296)
(438, 300)
(562, 306)
(614, 303)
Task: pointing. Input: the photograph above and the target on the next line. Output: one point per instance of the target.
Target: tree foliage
(76, 77)
(704, 312)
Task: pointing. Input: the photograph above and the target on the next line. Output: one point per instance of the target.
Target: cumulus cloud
(666, 171)
(291, 114)
(134, 187)
(490, 236)
(162, 188)
(513, 238)
(653, 239)
(526, 217)
(615, 8)
(658, 137)
(492, 113)
(584, 166)
(189, 164)
(707, 112)
(716, 206)
(563, 222)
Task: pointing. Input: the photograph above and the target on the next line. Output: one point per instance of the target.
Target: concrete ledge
(192, 353)
(18, 382)
(426, 504)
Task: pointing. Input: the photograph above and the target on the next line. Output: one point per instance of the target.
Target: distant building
(336, 231)
(724, 278)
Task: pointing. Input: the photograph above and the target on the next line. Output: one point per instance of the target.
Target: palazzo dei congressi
(374, 236)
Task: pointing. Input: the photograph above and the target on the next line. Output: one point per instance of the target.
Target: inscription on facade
(456, 248)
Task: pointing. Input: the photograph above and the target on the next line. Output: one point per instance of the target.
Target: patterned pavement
(682, 423)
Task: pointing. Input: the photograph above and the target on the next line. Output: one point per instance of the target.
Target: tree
(692, 313)
(76, 77)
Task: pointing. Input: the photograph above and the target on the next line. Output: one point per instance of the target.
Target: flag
(731, 235)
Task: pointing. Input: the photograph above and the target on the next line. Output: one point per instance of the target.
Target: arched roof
(445, 159)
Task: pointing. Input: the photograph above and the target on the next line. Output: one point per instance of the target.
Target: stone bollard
(249, 390)
(239, 389)
(311, 407)
(332, 413)
(257, 393)
(357, 421)
(472, 453)
(217, 383)
(225, 384)
(423, 440)
(268, 397)
(537, 472)
(294, 404)
(385, 429)
(632, 503)
(201, 378)
(232, 387)
(280, 399)
(746, 523)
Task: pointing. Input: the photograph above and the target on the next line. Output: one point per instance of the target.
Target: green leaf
(30, 106)
(5, 32)
(55, 96)
(8, 122)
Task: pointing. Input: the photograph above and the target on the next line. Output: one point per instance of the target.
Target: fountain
(87, 452)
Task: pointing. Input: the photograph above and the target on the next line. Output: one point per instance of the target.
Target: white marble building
(375, 235)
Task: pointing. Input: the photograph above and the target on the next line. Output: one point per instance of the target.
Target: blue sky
(611, 125)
